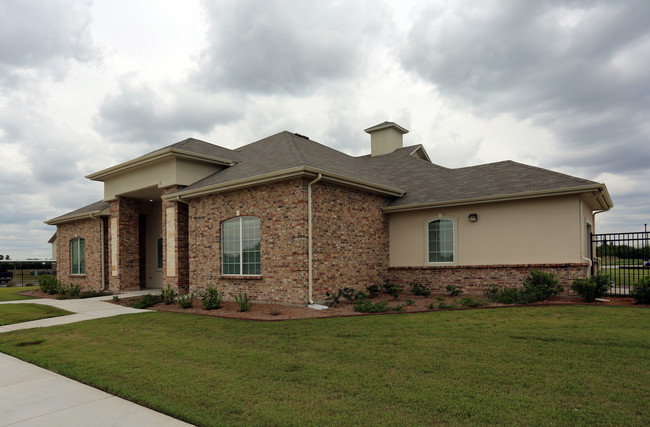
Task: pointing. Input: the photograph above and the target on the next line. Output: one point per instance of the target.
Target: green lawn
(11, 294)
(18, 313)
(530, 365)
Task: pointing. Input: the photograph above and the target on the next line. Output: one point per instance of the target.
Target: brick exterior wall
(281, 208)
(89, 230)
(476, 279)
(181, 278)
(128, 251)
(350, 239)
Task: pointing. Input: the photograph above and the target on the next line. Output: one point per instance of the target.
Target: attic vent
(302, 136)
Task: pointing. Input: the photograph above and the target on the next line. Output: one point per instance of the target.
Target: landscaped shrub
(641, 291)
(211, 298)
(370, 307)
(443, 305)
(147, 301)
(186, 301)
(347, 293)
(373, 290)
(420, 289)
(409, 302)
(592, 287)
(68, 291)
(168, 295)
(453, 290)
(540, 285)
(243, 302)
(48, 284)
(392, 289)
(471, 302)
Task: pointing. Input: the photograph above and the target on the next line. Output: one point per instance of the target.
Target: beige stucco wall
(533, 231)
(164, 173)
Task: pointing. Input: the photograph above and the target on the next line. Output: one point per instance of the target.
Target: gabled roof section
(100, 208)
(287, 154)
(190, 148)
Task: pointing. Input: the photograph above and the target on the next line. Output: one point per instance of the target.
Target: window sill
(77, 275)
(238, 277)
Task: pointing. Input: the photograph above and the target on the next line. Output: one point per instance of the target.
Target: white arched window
(441, 241)
(77, 256)
(240, 246)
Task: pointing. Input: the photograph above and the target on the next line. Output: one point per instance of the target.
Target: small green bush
(211, 298)
(346, 293)
(453, 290)
(641, 291)
(471, 302)
(592, 287)
(70, 290)
(370, 307)
(187, 300)
(48, 284)
(420, 289)
(392, 289)
(243, 302)
(147, 301)
(373, 290)
(540, 285)
(168, 295)
(443, 305)
(409, 302)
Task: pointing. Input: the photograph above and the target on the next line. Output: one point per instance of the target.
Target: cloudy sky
(84, 85)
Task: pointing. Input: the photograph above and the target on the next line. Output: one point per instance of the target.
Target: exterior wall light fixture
(472, 217)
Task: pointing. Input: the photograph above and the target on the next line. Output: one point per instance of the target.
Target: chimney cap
(386, 125)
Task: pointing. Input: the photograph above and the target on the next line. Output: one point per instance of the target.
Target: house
(288, 219)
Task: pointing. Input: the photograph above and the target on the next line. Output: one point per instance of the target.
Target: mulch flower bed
(270, 311)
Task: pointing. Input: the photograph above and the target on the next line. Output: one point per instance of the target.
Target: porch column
(176, 268)
(124, 245)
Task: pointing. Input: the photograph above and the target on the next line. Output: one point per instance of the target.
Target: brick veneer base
(474, 279)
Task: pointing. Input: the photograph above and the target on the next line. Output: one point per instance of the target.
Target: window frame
(160, 262)
(454, 235)
(77, 244)
(243, 255)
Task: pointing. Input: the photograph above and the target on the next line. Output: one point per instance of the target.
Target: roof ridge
(291, 142)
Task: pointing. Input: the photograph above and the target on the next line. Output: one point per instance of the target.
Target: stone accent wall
(476, 278)
(125, 258)
(89, 230)
(282, 210)
(176, 268)
(350, 239)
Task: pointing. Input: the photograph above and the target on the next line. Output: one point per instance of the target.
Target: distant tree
(1, 257)
(7, 257)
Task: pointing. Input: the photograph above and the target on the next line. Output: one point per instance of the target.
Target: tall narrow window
(441, 241)
(240, 246)
(78, 256)
(159, 252)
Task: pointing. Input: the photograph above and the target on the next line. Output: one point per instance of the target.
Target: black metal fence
(623, 256)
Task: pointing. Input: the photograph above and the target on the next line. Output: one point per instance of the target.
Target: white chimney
(385, 138)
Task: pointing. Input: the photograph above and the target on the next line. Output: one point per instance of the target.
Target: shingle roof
(421, 181)
(86, 210)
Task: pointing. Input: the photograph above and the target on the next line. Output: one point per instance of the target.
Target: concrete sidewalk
(33, 396)
(84, 309)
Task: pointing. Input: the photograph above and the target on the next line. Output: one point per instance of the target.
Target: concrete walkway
(33, 396)
(84, 309)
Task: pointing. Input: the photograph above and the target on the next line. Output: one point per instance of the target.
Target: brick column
(176, 267)
(124, 245)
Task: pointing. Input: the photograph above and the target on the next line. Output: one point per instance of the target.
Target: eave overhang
(71, 218)
(297, 172)
(598, 192)
(156, 156)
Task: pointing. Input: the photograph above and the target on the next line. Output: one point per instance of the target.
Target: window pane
(441, 240)
(159, 253)
(82, 256)
(240, 243)
(74, 257)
